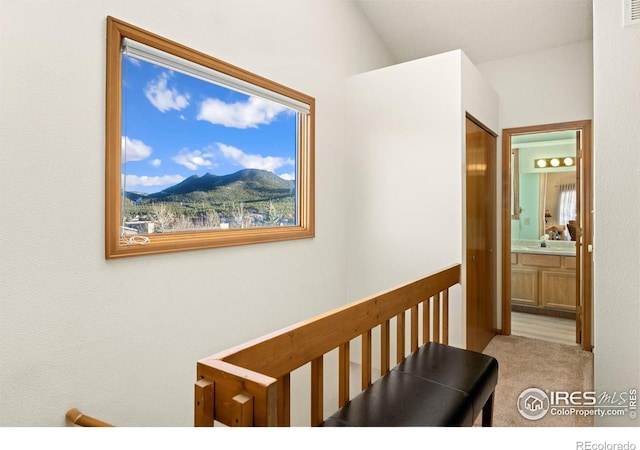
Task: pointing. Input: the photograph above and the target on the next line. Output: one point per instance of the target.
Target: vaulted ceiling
(486, 30)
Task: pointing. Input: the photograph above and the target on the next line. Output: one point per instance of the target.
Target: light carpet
(525, 363)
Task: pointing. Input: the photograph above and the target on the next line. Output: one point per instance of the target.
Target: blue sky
(175, 126)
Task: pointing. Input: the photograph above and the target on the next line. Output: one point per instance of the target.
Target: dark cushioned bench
(437, 385)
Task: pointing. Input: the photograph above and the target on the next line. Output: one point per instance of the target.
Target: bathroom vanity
(543, 279)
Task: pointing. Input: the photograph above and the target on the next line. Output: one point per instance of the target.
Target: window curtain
(566, 204)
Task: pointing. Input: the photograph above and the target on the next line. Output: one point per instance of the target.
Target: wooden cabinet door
(558, 290)
(524, 286)
(480, 235)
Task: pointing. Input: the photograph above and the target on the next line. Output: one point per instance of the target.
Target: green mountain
(249, 197)
(247, 185)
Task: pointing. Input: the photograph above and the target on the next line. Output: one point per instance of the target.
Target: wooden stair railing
(249, 385)
(82, 420)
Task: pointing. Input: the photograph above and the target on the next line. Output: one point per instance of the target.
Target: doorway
(547, 224)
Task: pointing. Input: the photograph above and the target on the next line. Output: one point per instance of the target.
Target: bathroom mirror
(543, 176)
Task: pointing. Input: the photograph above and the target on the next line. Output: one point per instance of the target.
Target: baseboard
(543, 311)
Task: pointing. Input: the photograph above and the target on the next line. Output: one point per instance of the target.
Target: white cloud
(270, 163)
(255, 111)
(156, 162)
(134, 150)
(133, 61)
(144, 180)
(288, 176)
(193, 160)
(164, 98)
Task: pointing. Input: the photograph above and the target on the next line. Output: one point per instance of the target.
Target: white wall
(405, 166)
(617, 203)
(549, 86)
(404, 173)
(479, 98)
(119, 339)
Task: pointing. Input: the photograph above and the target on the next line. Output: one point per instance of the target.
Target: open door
(584, 239)
(578, 237)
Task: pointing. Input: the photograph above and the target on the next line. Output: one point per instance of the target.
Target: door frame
(586, 244)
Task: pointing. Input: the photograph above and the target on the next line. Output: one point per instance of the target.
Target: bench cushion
(473, 373)
(437, 385)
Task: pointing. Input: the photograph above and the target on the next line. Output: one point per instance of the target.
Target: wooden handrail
(312, 338)
(82, 420)
(256, 375)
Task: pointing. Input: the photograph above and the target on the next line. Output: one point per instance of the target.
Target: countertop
(560, 248)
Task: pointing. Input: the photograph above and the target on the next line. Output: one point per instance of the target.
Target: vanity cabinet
(543, 281)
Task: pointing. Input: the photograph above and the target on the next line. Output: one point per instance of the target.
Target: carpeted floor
(525, 363)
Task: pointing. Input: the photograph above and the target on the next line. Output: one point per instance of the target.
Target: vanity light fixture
(554, 162)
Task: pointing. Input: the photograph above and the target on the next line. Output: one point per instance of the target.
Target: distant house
(139, 227)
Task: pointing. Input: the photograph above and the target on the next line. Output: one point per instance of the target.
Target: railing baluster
(414, 328)
(204, 403)
(426, 321)
(317, 410)
(385, 353)
(344, 367)
(366, 360)
(242, 407)
(400, 337)
(284, 401)
(436, 318)
(445, 316)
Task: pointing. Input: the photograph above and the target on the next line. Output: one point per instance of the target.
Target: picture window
(200, 153)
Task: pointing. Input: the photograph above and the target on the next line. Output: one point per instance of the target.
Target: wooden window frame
(115, 246)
